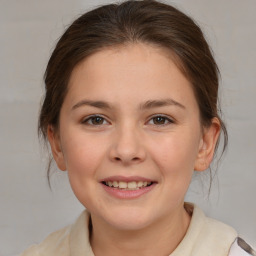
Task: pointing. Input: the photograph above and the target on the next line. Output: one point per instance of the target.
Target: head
(129, 31)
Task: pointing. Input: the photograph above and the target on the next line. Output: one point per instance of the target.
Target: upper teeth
(127, 185)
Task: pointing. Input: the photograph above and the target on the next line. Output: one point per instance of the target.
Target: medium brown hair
(149, 22)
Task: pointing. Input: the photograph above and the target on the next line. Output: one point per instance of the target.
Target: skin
(129, 141)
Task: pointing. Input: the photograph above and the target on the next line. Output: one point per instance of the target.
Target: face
(129, 135)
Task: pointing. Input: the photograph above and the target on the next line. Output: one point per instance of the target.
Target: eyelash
(85, 121)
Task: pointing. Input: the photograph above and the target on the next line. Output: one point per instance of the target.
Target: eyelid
(168, 118)
(87, 118)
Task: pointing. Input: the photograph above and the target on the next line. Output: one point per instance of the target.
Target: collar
(204, 236)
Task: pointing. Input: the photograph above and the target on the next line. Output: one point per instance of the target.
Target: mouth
(131, 185)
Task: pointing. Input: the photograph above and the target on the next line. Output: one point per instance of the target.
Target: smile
(127, 187)
(131, 185)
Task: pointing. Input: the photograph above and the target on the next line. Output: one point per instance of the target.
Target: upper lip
(126, 179)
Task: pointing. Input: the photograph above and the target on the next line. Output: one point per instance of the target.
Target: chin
(131, 219)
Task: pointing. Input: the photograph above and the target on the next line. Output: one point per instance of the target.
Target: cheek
(82, 155)
(177, 154)
(175, 160)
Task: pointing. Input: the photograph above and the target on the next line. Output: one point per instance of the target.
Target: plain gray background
(29, 30)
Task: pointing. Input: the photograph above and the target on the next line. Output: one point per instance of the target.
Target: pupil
(97, 120)
(160, 120)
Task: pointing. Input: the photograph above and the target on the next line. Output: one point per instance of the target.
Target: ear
(207, 145)
(54, 139)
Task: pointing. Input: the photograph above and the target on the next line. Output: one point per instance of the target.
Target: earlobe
(207, 145)
(57, 153)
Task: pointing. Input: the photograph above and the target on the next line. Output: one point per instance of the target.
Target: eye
(161, 120)
(95, 120)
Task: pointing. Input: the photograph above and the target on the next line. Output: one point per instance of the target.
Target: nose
(127, 146)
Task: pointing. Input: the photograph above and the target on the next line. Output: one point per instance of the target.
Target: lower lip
(128, 194)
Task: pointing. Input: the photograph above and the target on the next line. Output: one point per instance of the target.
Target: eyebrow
(149, 104)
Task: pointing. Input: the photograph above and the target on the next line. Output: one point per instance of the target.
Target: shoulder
(55, 244)
(213, 230)
(210, 237)
(215, 227)
(241, 248)
(63, 242)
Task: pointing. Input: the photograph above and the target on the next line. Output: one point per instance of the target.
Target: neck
(160, 238)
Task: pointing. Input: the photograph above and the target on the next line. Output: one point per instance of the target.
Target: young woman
(130, 112)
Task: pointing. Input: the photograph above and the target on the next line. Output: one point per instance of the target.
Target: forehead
(136, 70)
(129, 55)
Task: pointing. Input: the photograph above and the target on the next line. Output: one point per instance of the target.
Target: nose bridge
(127, 146)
